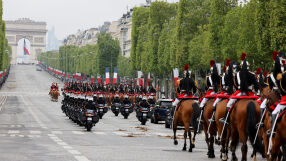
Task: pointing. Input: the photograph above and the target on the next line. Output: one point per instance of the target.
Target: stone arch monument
(34, 31)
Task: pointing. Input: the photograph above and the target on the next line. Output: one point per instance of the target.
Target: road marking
(13, 132)
(67, 147)
(21, 136)
(62, 143)
(35, 132)
(57, 132)
(78, 132)
(99, 133)
(81, 158)
(50, 135)
(12, 125)
(74, 152)
(120, 133)
(12, 135)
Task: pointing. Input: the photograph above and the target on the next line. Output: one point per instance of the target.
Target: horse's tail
(196, 114)
(251, 122)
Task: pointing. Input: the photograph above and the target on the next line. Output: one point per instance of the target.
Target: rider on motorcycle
(126, 100)
(101, 100)
(116, 99)
(151, 100)
(144, 103)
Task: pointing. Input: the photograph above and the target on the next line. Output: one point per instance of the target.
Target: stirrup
(222, 121)
(268, 133)
(261, 125)
(211, 120)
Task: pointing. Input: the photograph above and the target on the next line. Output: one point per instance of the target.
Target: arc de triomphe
(34, 31)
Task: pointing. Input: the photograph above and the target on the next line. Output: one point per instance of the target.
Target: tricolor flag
(115, 75)
(92, 79)
(78, 76)
(26, 51)
(140, 80)
(176, 76)
(107, 78)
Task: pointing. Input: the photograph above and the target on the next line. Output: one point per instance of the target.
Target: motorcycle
(90, 119)
(101, 110)
(143, 113)
(115, 108)
(125, 110)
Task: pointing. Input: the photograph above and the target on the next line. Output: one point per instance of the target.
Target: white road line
(67, 147)
(57, 132)
(74, 152)
(12, 135)
(78, 132)
(12, 125)
(81, 158)
(35, 132)
(21, 136)
(62, 143)
(99, 133)
(51, 135)
(120, 133)
(13, 132)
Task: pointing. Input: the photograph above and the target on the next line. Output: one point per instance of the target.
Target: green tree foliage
(5, 50)
(89, 60)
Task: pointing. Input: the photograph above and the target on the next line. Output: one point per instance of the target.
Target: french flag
(140, 80)
(107, 78)
(92, 79)
(176, 76)
(26, 51)
(78, 75)
(115, 75)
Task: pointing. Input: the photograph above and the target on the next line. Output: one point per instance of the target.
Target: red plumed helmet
(227, 63)
(258, 70)
(274, 55)
(212, 63)
(243, 56)
(186, 67)
(265, 73)
(283, 62)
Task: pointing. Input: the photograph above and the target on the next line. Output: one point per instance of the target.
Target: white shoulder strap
(273, 80)
(238, 78)
(222, 80)
(210, 79)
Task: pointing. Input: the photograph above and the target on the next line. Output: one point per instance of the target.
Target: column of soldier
(239, 105)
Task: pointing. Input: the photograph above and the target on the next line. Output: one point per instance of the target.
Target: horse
(187, 113)
(224, 140)
(243, 118)
(54, 95)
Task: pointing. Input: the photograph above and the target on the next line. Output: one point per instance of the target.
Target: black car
(160, 111)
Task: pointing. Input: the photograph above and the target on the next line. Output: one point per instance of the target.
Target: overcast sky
(67, 16)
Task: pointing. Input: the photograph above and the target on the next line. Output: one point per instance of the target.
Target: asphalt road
(33, 128)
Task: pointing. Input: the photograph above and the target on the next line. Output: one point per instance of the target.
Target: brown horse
(54, 95)
(279, 139)
(243, 118)
(224, 140)
(187, 113)
(209, 129)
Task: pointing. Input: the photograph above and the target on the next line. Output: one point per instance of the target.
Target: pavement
(33, 128)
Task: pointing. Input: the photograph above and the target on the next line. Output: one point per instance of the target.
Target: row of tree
(166, 36)
(90, 59)
(5, 49)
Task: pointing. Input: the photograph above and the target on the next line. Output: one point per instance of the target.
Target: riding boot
(223, 120)
(272, 126)
(213, 115)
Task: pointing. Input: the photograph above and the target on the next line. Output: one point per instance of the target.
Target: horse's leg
(185, 140)
(191, 143)
(175, 130)
(275, 148)
(233, 144)
(211, 146)
(244, 151)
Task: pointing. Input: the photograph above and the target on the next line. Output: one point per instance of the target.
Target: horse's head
(272, 98)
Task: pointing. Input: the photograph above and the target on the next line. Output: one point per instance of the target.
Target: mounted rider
(186, 85)
(213, 81)
(280, 76)
(244, 82)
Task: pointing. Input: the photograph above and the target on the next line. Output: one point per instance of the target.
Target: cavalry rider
(244, 82)
(186, 85)
(126, 100)
(213, 81)
(226, 82)
(280, 76)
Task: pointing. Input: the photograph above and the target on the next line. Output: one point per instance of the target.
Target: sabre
(259, 126)
(271, 135)
(199, 121)
(224, 124)
(210, 123)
